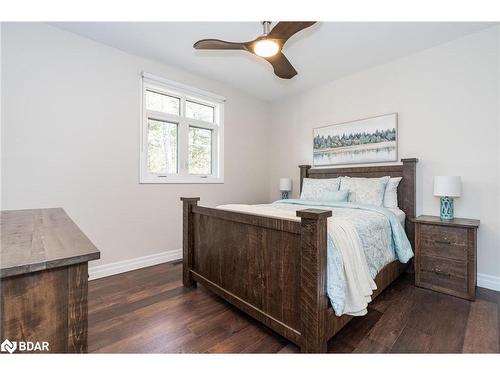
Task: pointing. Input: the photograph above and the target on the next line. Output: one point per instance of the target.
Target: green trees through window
(162, 147)
(200, 151)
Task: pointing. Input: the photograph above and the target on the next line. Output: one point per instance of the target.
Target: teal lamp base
(284, 194)
(446, 212)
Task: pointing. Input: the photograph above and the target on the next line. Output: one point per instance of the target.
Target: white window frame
(183, 92)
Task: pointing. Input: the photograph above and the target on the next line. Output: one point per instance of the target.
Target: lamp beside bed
(447, 187)
(285, 187)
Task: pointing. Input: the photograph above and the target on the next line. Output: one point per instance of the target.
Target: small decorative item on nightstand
(285, 187)
(447, 187)
(445, 255)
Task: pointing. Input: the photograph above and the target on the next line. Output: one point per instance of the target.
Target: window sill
(180, 180)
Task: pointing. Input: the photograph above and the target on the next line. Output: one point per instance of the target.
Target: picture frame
(364, 141)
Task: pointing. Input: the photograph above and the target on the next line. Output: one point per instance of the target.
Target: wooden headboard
(406, 189)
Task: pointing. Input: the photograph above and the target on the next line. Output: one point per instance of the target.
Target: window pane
(162, 103)
(199, 111)
(162, 147)
(200, 151)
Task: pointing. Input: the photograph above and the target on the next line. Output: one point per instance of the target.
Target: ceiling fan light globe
(266, 48)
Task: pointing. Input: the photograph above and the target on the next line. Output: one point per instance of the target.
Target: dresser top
(456, 222)
(41, 239)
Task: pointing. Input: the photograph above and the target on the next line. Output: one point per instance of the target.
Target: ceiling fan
(268, 45)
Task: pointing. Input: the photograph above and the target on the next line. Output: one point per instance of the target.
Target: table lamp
(285, 187)
(447, 187)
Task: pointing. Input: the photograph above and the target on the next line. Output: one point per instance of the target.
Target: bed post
(407, 196)
(313, 297)
(304, 170)
(187, 240)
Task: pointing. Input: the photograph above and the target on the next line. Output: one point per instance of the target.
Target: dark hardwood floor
(149, 311)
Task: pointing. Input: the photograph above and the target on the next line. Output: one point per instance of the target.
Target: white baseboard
(488, 281)
(104, 270)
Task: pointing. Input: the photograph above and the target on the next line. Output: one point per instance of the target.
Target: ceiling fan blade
(284, 30)
(219, 44)
(281, 65)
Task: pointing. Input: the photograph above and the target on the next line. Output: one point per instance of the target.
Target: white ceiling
(321, 53)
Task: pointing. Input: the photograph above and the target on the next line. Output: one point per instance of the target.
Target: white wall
(448, 103)
(71, 125)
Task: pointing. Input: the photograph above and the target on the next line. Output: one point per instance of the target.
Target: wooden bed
(275, 269)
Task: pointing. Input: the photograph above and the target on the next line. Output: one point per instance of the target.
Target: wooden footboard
(272, 269)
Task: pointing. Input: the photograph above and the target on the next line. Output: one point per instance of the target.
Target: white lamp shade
(447, 186)
(285, 184)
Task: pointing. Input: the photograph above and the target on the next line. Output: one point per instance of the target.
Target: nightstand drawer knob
(438, 271)
(444, 242)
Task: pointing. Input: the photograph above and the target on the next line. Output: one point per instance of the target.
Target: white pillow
(365, 190)
(391, 192)
(315, 189)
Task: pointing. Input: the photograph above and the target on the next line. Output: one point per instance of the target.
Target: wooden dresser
(44, 280)
(445, 255)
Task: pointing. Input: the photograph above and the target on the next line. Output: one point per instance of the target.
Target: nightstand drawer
(448, 242)
(443, 274)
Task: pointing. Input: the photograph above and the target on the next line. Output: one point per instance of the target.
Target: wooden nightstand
(445, 255)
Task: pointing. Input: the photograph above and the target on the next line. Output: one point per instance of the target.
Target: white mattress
(400, 215)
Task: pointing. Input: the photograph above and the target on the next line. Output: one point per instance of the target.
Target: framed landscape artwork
(371, 140)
